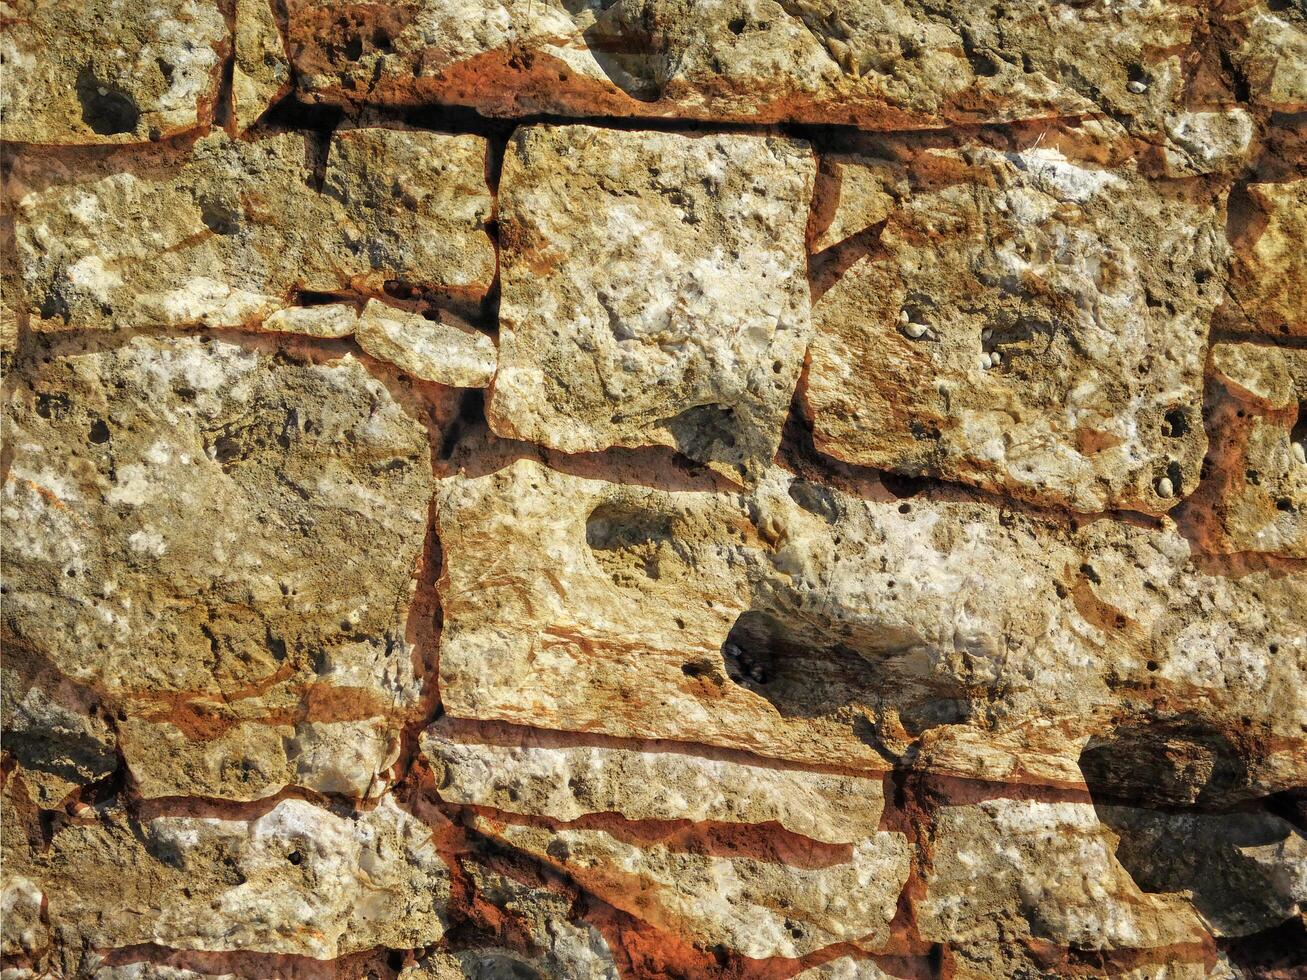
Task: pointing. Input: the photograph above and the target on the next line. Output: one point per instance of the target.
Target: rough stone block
(215, 545)
(235, 230)
(109, 71)
(653, 291)
(1027, 324)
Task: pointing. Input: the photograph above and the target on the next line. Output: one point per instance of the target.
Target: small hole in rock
(1175, 424)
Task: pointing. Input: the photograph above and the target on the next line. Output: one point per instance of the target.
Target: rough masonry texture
(653, 489)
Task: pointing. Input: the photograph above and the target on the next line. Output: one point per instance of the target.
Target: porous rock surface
(653, 489)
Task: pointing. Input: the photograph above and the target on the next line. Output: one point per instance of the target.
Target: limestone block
(297, 879)
(261, 71)
(653, 291)
(1269, 46)
(1029, 325)
(1003, 871)
(757, 907)
(217, 543)
(568, 782)
(802, 623)
(1246, 872)
(878, 65)
(235, 230)
(432, 350)
(109, 71)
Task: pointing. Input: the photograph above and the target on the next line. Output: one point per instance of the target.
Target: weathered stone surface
(653, 291)
(559, 947)
(1268, 278)
(1246, 872)
(297, 879)
(1254, 495)
(260, 71)
(876, 65)
(217, 544)
(1091, 287)
(432, 350)
(233, 231)
(109, 71)
(1005, 871)
(326, 322)
(881, 553)
(803, 623)
(568, 782)
(759, 908)
(1269, 46)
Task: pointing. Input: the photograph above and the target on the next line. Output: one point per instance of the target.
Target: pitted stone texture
(260, 72)
(1268, 278)
(231, 232)
(218, 544)
(297, 879)
(753, 905)
(872, 64)
(1254, 495)
(1004, 872)
(654, 291)
(109, 71)
(566, 782)
(802, 623)
(1092, 287)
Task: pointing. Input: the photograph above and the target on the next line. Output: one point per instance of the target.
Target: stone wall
(503, 489)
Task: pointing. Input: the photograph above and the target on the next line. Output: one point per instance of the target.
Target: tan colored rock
(758, 908)
(876, 65)
(1269, 47)
(569, 782)
(297, 879)
(109, 71)
(24, 933)
(1268, 278)
(654, 291)
(432, 350)
(1008, 871)
(1254, 496)
(1207, 141)
(1028, 324)
(234, 230)
(217, 544)
(853, 194)
(331, 320)
(260, 71)
(799, 622)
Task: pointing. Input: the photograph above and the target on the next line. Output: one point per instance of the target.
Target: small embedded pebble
(1164, 487)
(1138, 88)
(915, 330)
(903, 316)
(1300, 453)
